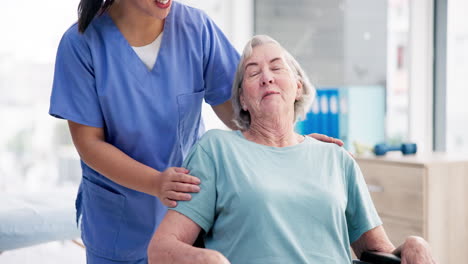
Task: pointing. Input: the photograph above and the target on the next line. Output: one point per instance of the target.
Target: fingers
(178, 196)
(325, 138)
(338, 142)
(319, 137)
(183, 187)
(175, 185)
(185, 178)
(172, 197)
(169, 203)
(181, 170)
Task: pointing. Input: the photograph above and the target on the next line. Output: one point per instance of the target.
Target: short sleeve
(201, 208)
(74, 94)
(361, 215)
(220, 63)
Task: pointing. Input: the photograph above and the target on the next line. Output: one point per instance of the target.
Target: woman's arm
(225, 113)
(169, 186)
(413, 251)
(373, 240)
(172, 243)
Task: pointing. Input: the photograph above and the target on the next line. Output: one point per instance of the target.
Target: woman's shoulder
(99, 25)
(93, 39)
(73, 42)
(73, 35)
(217, 136)
(184, 12)
(214, 140)
(330, 148)
(190, 17)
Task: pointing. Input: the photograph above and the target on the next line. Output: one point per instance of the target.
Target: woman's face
(269, 86)
(155, 8)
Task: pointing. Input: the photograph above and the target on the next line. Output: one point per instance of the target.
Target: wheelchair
(367, 257)
(370, 257)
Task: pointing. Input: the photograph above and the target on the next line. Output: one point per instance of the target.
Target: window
(457, 77)
(397, 71)
(35, 149)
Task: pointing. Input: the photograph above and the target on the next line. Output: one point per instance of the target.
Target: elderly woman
(269, 195)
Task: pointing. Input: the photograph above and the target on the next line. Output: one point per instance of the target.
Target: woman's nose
(267, 78)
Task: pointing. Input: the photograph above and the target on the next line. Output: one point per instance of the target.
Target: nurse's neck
(138, 28)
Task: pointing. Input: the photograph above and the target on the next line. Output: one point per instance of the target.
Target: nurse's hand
(327, 139)
(174, 184)
(214, 257)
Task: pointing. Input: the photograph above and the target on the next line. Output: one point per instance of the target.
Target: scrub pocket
(102, 218)
(189, 119)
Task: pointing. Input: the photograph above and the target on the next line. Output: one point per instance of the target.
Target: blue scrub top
(151, 115)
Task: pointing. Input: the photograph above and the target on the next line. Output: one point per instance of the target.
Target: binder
(323, 116)
(333, 113)
(347, 113)
(322, 98)
(312, 118)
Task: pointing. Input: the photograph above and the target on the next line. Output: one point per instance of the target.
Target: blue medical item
(405, 148)
(154, 116)
(323, 117)
(298, 204)
(355, 113)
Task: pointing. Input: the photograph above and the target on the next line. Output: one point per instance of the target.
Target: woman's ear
(299, 90)
(244, 107)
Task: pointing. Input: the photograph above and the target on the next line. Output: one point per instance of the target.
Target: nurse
(130, 78)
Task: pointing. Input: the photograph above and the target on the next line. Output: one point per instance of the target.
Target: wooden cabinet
(424, 195)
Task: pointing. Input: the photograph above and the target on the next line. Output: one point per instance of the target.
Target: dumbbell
(405, 148)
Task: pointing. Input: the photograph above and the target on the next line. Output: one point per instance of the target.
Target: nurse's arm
(225, 113)
(172, 243)
(373, 240)
(169, 186)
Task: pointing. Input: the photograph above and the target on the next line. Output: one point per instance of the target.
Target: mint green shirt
(258, 204)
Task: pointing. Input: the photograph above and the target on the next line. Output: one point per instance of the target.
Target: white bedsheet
(31, 218)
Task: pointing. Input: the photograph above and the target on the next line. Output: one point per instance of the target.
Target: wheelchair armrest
(372, 257)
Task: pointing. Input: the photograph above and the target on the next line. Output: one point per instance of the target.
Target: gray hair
(301, 106)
